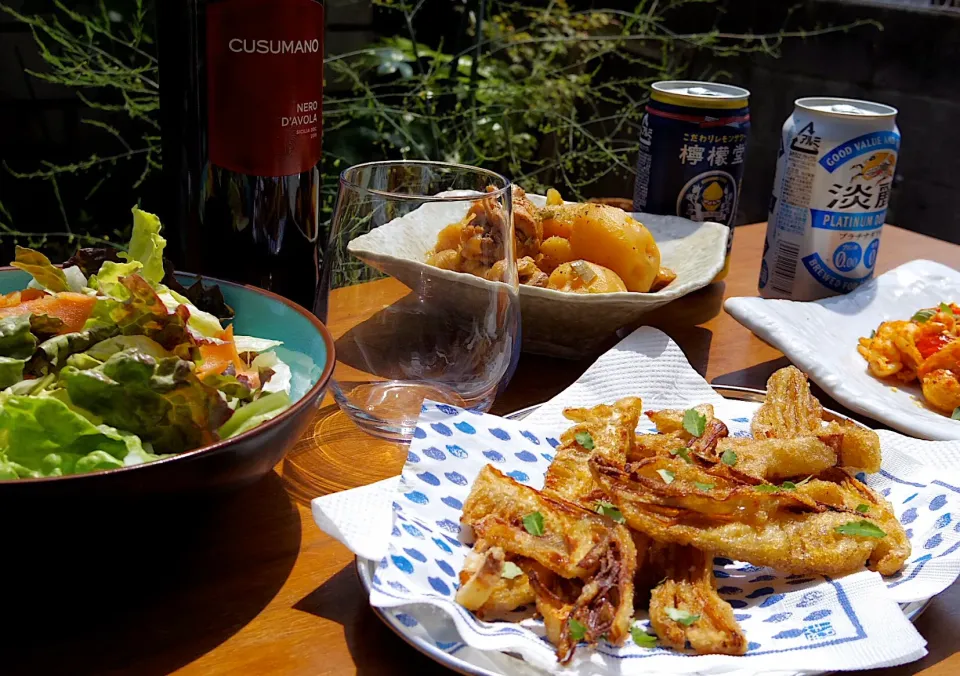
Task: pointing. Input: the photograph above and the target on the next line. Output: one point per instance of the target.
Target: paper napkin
(411, 528)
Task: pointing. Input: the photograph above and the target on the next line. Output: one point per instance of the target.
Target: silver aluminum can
(835, 169)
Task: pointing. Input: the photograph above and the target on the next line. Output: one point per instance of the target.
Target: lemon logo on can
(710, 196)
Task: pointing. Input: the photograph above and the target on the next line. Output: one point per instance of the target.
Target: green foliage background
(543, 92)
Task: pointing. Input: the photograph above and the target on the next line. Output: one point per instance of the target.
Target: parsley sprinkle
(682, 616)
(610, 510)
(788, 485)
(923, 316)
(729, 457)
(683, 453)
(577, 630)
(694, 422)
(510, 570)
(956, 413)
(666, 475)
(703, 487)
(767, 488)
(642, 638)
(946, 309)
(863, 508)
(533, 522)
(585, 439)
(861, 528)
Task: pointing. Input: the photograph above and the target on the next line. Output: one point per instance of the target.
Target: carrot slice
(218, 357)
(72, 308)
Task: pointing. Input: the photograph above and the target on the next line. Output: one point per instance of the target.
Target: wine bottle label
(265, 85)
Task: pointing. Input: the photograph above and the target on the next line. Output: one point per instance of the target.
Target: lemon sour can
(693, 141)
(835, 168)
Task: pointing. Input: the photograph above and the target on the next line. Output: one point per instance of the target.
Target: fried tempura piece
(603, 605)
(671, 419)
(783, 529)
(670, 422)
(839, 489)
(649, 445)
(777, 459)
(569, 477)
(611, 428)
(790, 410)
(480, 574)
(858, 448)
(690, 586)
(572, 539)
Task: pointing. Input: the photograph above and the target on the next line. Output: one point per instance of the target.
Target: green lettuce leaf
(146, 245)
(82, 361)
(44, 325)
(43, 437)
(144, 313)
(34, 386)
(16, 341)
(52, 353)
(107, 280)
(161, 401)
(255, 413)
(102, 351)
(45, 273)
(202, 322)
(229, 385)
(11, 371)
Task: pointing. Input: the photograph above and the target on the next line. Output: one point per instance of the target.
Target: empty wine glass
(411, 323)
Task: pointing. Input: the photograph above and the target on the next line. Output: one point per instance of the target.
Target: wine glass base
(390, 409)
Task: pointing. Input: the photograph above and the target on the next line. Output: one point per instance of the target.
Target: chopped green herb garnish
(585, 439)
(682, 616)
(807, 480)
(610, 510)
(956, 413)
(704, 487)
(946, 309)
(788, 485)
(683, 453)
(666, 475)
(767, 488)
(533, 522)
(694, 422)
(873, 334)
(863, 508)
(861, 528)
(577, 630)
(729, 457)
(923, 316)
(642, 638)
(510, 570)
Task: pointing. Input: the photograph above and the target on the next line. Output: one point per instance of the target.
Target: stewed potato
(584, 277)
(609, 237)
(553, 252)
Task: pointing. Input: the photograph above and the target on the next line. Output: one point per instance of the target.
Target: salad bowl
(307, 349)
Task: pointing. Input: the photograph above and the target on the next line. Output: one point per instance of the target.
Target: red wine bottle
(241, 85)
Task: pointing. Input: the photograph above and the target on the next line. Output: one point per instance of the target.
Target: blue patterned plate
(431, 631)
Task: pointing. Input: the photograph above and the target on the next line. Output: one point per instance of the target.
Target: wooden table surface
(246, 583)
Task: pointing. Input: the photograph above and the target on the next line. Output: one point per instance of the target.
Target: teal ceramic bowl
(307, 349)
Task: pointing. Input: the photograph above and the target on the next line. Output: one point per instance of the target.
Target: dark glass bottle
(241, 101)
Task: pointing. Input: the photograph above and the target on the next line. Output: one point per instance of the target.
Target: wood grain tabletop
(245, 583)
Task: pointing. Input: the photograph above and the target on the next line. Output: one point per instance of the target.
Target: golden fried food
(925, 348)
(780, 528)
(554, 252)
(774, 460)
(610, 237)
(689, 591)
(787, 499)
(582, 277)
(790, 410)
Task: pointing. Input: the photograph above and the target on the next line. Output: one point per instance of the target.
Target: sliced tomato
(932, 343)
(72, 308)
(216, 358)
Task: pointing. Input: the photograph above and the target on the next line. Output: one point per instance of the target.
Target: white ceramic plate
(556, 323)
(821, 339)
(433, 633)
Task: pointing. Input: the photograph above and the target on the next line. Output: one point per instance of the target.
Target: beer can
(834, 172)
(693, 140)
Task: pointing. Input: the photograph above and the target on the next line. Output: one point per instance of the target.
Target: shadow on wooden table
(373, 646)
(142, 588)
